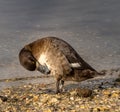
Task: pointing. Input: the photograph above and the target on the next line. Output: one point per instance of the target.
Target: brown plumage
(56, 57)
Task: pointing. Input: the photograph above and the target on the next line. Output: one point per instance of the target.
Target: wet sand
(91, 27)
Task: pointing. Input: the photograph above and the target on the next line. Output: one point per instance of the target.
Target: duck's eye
(31, 58)
(33, 62)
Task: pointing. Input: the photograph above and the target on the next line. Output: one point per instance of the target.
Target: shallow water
(91, 27)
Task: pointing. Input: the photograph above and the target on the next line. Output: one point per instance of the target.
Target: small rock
(3, 98)
(115, 95)
(83, 92)
(48, 110)
(71, 98)
(54, 100)
(35, 98)
(118, 80)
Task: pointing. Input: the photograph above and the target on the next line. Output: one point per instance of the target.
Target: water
(92, 27)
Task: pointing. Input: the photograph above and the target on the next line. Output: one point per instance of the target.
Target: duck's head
(28, 61)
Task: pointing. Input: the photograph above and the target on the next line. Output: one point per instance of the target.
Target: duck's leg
(58, 86)
(61, 85)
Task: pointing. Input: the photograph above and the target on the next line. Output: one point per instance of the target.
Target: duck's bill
(43, 69)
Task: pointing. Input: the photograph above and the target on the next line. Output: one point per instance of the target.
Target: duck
(54, 56)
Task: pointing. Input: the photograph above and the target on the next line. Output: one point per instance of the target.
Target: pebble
(29, 99)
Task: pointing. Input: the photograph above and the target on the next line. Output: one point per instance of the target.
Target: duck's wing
(71, 55)
(57, 60)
